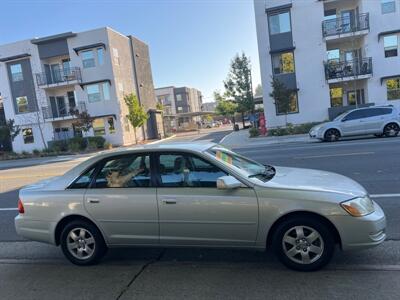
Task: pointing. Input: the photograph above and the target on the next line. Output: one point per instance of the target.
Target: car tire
(82, 243)
(391, 130)
(303, 243)
(331, 135)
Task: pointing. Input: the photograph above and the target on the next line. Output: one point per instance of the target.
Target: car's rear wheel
(391, 129)
(303, 243)
(332, 135)
(82, 243)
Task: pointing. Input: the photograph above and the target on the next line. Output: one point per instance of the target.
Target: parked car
(377, 120)
(198, 195)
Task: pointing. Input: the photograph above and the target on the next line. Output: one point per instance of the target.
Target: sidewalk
(242, 139)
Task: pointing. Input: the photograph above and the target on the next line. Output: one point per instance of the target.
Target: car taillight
(21, 209)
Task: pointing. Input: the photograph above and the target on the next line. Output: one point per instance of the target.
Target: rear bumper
(40, 231)
(361, 232)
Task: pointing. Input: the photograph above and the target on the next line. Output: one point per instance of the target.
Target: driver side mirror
(228, 182)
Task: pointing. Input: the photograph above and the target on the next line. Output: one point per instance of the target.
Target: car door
(123, 201)
(192, 211)
(371, 122)
(351, 123)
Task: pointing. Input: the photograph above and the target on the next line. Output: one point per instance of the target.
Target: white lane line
(8, 209)
(384, 195)
(334, 155)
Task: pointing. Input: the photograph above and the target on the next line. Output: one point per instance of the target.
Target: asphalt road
(30, 270)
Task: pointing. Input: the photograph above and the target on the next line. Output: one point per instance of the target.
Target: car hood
(315, 180)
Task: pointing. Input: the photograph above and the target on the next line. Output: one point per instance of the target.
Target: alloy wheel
(303, 244)
(391, 129)
(331, 135)
(81, 243)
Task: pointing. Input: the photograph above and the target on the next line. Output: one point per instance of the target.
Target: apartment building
(42, 79)
(181, 105)
(333, 54)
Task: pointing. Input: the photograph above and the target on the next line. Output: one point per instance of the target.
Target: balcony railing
(345, 25)
(335, 69)
(59, 77)
(61, 112)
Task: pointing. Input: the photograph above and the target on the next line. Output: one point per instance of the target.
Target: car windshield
(339, 117)
(250, 167)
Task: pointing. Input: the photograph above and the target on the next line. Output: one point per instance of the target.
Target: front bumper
(315, 134)
(361, 232)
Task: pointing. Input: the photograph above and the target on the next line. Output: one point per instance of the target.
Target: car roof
(374, 106)
(197, 146)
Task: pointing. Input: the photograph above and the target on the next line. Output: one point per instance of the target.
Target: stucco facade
(340, 60)
(90, 71)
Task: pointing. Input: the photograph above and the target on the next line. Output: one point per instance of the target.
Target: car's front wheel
(332, 135)
(82, 243)
(303, 243)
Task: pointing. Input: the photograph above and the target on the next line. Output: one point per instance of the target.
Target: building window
(98, 127)
(336, 97)
(390, 43)
(393, 88)
(180, 108)
(27, 134)
(353, 96)
(111, 126)
(116, 56)
(283, 63)
(100, 56)
(93, 92)
(16, 73)
(22, 104)
(333, 55)
(178, 97)
(293, 106)
(106, 91)
(279, 23)
(388, 6)
(88, 59)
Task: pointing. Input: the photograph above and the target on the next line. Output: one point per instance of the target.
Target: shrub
(95, 142)
(36, 152)
(292, 129)
(107, 145)
(58, 146)
(76, 144)
(253, 131)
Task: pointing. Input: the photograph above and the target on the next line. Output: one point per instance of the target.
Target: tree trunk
(243, 120)
(41, 131)
(134, 132)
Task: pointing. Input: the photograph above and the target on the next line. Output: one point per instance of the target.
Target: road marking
(334, 155)
(384, 195)
(8, 209)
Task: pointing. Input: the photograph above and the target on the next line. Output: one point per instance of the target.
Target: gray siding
(185, 100)
(25, 87)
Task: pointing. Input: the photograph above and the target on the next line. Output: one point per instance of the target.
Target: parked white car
(377, 120)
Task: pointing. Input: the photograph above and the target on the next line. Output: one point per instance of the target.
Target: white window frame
(393, 47)
(18, 106)
(24, 136)
(88, 59)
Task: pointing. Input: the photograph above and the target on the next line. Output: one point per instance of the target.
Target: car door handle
(93, 200)
(169, 201)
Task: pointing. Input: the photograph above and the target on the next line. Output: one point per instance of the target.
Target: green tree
(238, 84)
(83, 121)
(225, 108)
(9, 131)
(137, 115)
(159, 106)
(282, 97)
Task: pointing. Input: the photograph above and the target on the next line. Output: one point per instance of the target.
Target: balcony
(61, 77)
(61, 112)
(345, 27)
(339, 71)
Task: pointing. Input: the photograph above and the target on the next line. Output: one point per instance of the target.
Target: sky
(191, 41)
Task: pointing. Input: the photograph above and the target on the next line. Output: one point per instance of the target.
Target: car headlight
(358, 207)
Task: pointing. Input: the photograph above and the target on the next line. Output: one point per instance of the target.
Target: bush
(58, 146)
(36, 152)
(107, 145)
(95, 142)
(253, 131)
(76, 144)
(292, 129)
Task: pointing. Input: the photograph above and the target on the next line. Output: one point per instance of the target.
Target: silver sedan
(198, 195)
